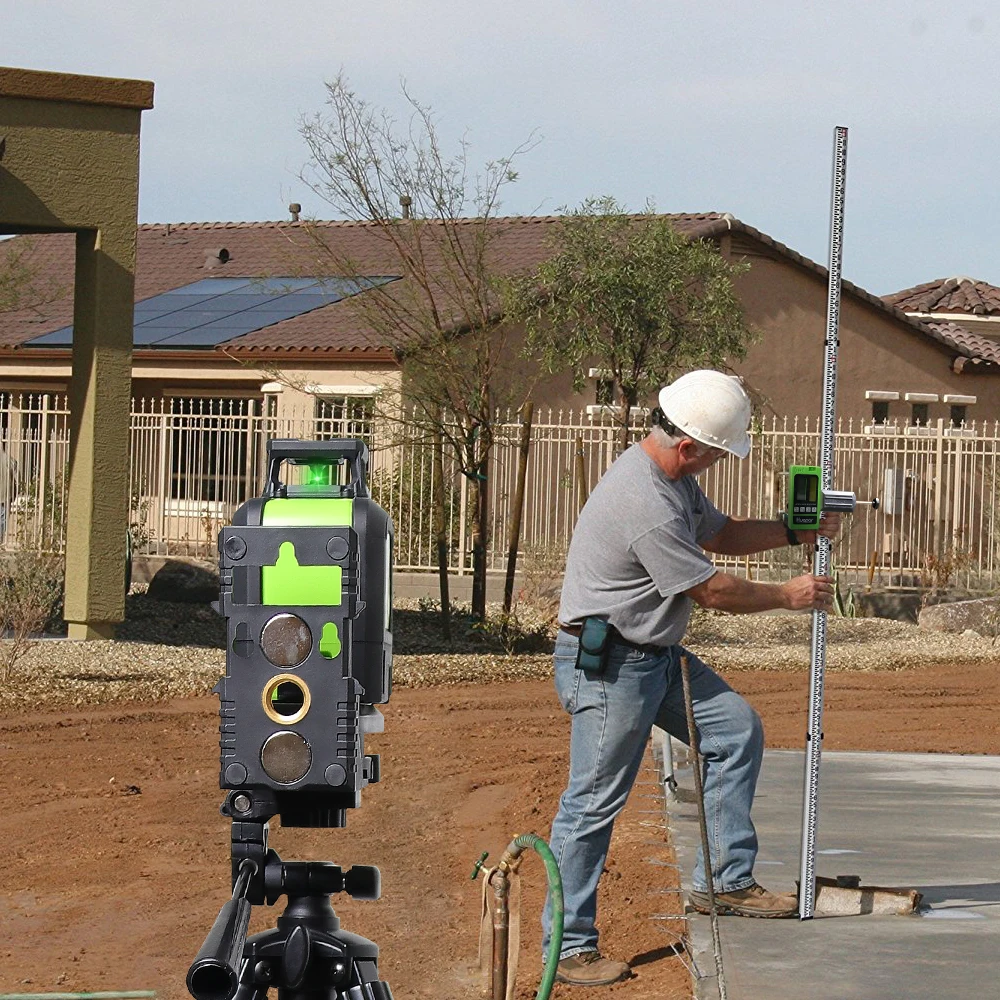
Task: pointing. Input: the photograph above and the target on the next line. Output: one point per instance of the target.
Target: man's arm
(741, 537)
(723, 592)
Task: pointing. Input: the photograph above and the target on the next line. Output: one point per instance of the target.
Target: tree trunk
(628, 398)
(480, 532)
(441, 531)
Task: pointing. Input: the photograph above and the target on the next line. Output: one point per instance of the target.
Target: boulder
(184, 583)
(981, 616)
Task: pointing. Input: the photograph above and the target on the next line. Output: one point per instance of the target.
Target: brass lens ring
(271, 689)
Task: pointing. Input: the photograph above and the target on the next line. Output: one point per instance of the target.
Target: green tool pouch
(595, 641)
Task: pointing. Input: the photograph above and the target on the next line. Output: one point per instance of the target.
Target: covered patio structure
(69, 162)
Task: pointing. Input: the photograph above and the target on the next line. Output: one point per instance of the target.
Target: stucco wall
(877, 352)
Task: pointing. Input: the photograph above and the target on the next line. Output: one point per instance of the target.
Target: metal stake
(821, 567)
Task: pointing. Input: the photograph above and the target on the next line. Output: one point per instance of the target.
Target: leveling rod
(810, 493)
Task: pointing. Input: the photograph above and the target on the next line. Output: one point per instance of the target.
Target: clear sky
(699, 105)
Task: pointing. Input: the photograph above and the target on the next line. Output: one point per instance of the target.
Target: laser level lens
(285, 757)
(319, 474)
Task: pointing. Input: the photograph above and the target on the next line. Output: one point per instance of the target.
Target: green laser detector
(807, 499)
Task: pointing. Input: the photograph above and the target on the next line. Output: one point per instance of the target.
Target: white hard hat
(711, 408)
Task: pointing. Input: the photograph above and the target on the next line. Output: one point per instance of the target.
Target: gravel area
(178, 650)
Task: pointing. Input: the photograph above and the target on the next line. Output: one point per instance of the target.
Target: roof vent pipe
(295, 208)
(405, 202)
(216, 257)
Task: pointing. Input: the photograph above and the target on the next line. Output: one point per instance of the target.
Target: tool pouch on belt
(595, 641)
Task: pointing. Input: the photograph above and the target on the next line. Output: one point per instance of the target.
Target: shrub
(31, 595)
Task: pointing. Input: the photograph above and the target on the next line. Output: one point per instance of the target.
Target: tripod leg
(371, 987)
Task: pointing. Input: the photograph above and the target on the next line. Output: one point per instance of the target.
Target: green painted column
(70, 163)
(97, 499)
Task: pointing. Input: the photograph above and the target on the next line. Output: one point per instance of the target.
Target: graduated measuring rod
(810, 492)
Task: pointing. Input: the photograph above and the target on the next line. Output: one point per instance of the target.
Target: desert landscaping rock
(173, 650)
(184, 583)
(981, 616)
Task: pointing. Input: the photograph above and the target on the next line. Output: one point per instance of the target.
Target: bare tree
(436, 221)
(21, 286)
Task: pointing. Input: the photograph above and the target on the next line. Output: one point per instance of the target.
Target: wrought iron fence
(193, 461)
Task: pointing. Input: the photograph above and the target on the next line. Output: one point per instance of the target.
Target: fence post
(463, 506)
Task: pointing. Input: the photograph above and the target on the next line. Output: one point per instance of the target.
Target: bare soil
(117, 858)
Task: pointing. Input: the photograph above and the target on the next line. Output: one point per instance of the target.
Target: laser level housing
(305, 586)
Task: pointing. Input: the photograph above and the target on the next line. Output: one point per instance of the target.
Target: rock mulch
(169, 651)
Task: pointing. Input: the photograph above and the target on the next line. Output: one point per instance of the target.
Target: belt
(616, 636)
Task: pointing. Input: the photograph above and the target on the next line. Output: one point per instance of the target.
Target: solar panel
(214, 310)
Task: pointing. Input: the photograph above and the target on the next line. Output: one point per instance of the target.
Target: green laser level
(306, 587)
(306, 573)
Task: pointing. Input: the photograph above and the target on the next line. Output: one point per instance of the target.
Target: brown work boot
(590, 969)
(753, 901)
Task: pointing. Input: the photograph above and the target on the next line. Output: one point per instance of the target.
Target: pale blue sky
(697, 104)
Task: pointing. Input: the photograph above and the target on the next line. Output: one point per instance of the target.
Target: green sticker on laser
(329, 641)
(286, 582)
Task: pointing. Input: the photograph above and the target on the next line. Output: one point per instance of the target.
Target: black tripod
(307, 956)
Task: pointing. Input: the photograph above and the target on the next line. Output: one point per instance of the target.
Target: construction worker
(638, 560)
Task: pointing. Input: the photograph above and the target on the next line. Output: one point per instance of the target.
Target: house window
(880, 411)
(605, 392)
(210, 447)
(957, 416)
(344, 417)
(920, 414)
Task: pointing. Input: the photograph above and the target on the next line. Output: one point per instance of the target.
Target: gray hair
(665, 440)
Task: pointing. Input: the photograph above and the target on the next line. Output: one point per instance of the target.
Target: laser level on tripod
(305, 585)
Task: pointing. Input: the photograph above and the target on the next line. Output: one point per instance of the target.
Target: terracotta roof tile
(949, 295)
(173, 255)
(979, 349)
(176, 254)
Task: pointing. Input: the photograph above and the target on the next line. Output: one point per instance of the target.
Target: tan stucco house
(230, 311)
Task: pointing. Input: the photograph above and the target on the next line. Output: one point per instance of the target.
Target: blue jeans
(612, 714)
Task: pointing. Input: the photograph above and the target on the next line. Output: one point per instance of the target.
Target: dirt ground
(117, 858)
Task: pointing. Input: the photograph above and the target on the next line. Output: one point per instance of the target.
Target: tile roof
(949, 295)
(978, 349)
(176, 254)
(172, 255)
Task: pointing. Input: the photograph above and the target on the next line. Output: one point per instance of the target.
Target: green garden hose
(508, 862)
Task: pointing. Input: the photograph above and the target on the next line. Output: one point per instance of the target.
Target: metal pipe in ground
(699, 791)
(666, 755)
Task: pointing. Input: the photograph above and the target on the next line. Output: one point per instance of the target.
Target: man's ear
(688, 449)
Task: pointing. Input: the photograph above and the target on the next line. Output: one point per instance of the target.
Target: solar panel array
(215, 310)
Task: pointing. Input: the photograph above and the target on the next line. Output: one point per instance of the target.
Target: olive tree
(632, 295)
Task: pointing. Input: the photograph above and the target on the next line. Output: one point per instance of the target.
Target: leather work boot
(590, 969)
(753, 901)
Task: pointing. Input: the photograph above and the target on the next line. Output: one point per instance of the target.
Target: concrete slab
(929, 822)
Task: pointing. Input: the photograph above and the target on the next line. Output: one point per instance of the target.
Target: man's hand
(829, 527)
(808, 592)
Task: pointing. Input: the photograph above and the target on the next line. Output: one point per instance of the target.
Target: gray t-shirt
(637, 548)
